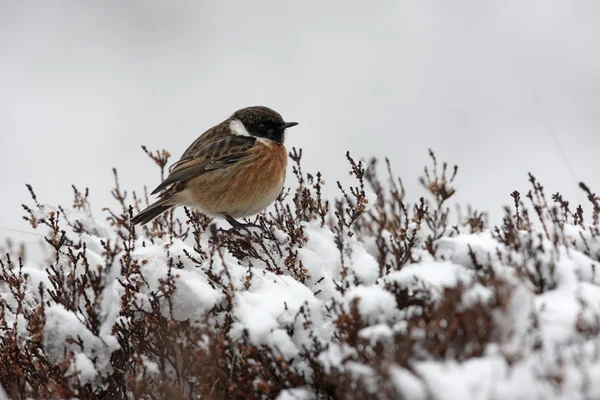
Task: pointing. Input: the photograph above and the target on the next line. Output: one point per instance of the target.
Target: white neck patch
(238, 128)
(264, 141)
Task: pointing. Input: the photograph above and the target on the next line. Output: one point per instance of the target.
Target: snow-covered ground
(507, 314)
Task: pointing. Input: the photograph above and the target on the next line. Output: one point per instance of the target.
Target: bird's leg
(238, 225)
(233, 222)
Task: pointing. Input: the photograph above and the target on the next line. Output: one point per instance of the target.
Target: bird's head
(260, 122)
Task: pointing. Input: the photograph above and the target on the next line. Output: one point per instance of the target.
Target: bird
(233, 170)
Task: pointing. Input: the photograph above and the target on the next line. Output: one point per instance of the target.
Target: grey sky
(84, 84)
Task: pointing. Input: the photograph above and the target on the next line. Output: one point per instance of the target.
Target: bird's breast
(262, 177)
(245, 188)
(267, 163)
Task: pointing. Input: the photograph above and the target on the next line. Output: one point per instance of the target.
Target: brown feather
(215, 155)
(242, 189)
(151, 212)
(222, 173)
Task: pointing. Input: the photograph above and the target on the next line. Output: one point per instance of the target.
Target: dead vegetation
(159, 356)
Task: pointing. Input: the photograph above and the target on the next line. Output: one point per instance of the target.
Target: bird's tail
(151, 212)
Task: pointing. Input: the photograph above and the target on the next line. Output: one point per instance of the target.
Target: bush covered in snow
(368, 297)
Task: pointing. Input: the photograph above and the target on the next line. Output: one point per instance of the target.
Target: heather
(373, 295)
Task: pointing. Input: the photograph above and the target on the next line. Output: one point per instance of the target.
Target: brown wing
(216, 155)
(214, 134)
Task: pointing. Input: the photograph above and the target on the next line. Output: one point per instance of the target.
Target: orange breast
(244, 188)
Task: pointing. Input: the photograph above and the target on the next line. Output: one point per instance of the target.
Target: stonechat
(233, 170)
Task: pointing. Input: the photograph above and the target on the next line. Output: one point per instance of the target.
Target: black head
(261, 122)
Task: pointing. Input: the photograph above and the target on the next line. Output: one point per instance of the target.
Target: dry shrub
(156, 354)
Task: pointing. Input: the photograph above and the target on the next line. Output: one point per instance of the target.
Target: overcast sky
(486, 84)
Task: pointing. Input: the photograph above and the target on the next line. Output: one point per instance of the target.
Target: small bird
(233, 170)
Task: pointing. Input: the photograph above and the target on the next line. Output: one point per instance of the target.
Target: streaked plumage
(233, 170)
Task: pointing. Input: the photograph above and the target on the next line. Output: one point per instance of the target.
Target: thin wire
(4, 228)
(553, 136)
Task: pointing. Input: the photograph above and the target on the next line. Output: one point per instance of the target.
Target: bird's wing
(215, 155)
(214, 134)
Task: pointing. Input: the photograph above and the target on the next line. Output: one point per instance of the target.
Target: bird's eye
(262, 127)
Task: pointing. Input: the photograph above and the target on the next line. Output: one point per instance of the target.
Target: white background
(486, 84)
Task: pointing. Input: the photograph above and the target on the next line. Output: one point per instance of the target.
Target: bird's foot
(236, 225)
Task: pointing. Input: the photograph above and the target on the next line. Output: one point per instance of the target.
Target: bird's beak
(286, 125)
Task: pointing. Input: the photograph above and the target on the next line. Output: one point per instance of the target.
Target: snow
(371, 198)
(533, 329)
(321, 243)
(84, 367)
(62, 324)
(374, 303)
(431, 274)
(3, 395)
(270, 304)
(377, 332)
(409, 386)
(296, 394)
